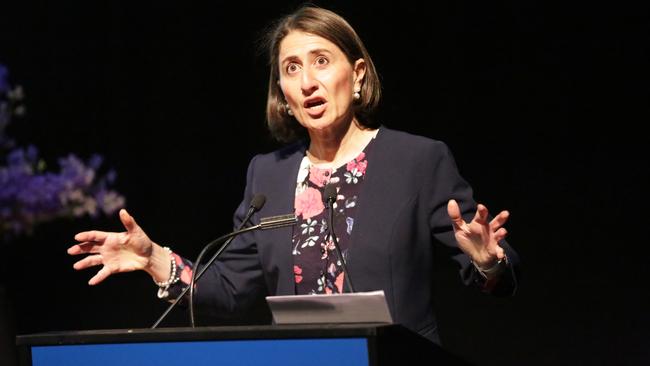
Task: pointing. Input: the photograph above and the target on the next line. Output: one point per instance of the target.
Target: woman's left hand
(479, 239)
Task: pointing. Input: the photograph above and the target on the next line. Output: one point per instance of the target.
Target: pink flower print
(309, 203)
(186, 275)
(359, 164)
(297, 271)
(178, 260)
(185, 271)
(351, 165)
(320, 177)
(339, 282)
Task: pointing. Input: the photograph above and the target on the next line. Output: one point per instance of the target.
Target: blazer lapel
(282, 182)
(369, 254)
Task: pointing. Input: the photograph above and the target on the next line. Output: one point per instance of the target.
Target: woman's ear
(359, 73)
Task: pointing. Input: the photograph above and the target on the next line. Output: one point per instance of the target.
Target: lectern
(283, 345)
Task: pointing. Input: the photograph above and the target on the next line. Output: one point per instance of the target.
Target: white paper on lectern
(359, 307)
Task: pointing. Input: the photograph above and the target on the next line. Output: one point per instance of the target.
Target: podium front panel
(285, 352)
(285, 345)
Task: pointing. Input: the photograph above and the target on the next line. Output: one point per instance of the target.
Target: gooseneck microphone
(256, 204)
(330, 198)
(265, 224)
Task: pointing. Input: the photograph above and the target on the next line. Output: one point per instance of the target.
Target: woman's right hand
(120, 252)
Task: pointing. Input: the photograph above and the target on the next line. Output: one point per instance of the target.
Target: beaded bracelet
(163, 287)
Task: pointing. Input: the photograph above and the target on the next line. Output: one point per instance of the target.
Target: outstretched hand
(116, 252)
(479, 239)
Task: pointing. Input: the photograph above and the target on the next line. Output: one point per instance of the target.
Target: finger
(128, 221)
(454, 214)
(499, 220)
(84, 248)
(481, 214)
(500, 253)
(93, 260)
(500, 234)
(100, 276)
(93, 235)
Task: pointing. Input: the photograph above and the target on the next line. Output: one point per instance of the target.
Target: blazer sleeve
(447, 183)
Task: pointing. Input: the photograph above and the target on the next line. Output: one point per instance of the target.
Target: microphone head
(330, 193)
(258, 201)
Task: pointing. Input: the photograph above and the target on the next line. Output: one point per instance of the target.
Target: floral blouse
(316, 266)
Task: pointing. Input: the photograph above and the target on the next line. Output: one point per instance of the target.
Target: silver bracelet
(494, 269)
(163, 287)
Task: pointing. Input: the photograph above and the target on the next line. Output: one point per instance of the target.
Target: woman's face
(318, 81)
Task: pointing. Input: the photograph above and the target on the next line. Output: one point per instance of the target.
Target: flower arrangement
(31, 194)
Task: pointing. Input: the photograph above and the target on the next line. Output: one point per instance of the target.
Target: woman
(398, 196)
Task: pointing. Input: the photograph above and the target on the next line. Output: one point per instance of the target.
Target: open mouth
(314, 103)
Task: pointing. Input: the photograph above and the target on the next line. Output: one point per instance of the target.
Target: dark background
(542, 104)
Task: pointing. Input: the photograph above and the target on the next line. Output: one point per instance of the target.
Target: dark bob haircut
(334, 28)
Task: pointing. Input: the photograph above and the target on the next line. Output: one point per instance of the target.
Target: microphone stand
(197, 264)
(265, 224)
(202, 271)
(331, 197)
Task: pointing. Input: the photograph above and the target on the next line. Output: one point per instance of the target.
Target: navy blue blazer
(401, 219)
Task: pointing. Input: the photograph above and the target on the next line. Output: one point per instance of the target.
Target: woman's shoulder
(288, 153)
(408, 142)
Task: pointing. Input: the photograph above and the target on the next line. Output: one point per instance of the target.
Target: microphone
(330, 195)
(330, 198)
(256, 204)
(278, 221)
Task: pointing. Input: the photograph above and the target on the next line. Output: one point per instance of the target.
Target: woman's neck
(335, 147)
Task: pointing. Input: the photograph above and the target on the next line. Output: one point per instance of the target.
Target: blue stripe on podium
(281, 352)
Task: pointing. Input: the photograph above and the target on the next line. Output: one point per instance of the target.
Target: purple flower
(110, 177)
(40, 195)
(75, 172)
(31, 154)
(95, 161)
(30, 195)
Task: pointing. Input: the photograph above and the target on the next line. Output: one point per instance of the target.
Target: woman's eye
(291, 68)
(322, 61)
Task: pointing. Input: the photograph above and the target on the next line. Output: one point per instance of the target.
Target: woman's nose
(308, 82)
